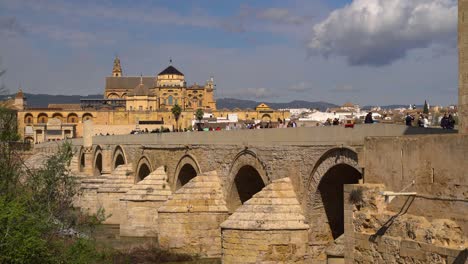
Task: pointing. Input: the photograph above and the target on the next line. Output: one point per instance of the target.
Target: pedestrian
(336, 121)
(444, 122)
(421, 121)
(369, 119)
(426, 121)
(409, 120)
(451, 122)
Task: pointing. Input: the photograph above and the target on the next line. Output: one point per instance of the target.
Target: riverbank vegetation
(38, 223)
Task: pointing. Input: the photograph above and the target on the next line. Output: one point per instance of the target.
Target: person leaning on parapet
(426, 121)
(421, 121)
(451, 122)
(409, 120)
(444, 122)
(369, 119)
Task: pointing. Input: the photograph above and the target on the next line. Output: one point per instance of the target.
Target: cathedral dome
(171, 70)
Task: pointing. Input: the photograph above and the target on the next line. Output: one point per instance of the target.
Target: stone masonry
(463, 65)
(268, 228)
(112, 189)
(375, 235)
(139, 206)
(189, 221)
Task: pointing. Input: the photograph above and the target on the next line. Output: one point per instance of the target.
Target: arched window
(131, 108)
(199, 103)
(176, 101)
(140, 108)
(151, 108)
(170, 99)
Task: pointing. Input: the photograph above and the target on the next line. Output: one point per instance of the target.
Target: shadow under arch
(187, 168)
(325, 207)
(81, 160)
(247, 176)
(118, 157)
(97, 161)
(143, 169)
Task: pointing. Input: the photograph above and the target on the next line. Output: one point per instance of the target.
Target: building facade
(133, 103)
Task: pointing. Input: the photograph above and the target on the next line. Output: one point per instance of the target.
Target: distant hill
(43, 100)
(231, 103)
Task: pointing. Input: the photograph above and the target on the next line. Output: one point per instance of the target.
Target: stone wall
(139, 206)
(189, 222)
(268, 228)
(273, 246)
(436, 163)
(374, 234)
(191, 233)
(463, 66)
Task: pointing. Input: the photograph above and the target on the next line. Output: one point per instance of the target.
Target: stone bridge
(147, 182)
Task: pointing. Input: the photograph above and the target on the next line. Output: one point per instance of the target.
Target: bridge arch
(118, 157)
(98, 161)
(143, 169)
(187, 168)
(247, 176)
(81, 160)
(325, 208)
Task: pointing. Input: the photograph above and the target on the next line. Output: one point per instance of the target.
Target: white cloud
(252, 93)
(345, 89)
(280, 15)
(299, 87)
(378, 32)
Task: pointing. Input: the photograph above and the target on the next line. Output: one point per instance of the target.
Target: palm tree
(176, 111)
(199, 115)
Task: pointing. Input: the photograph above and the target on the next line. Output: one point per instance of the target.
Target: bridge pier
(139, 206)
(269, 228)
(106, 159)
(189, 222)
(88, 157)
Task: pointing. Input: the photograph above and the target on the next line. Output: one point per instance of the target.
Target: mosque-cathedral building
(134, 103)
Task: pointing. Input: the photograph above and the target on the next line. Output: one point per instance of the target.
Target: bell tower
(117, 69)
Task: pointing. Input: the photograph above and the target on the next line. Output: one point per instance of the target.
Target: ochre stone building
(135, 103)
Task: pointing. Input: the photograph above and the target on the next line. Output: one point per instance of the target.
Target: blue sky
(365, 51)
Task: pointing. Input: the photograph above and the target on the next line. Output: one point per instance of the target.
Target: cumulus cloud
(378, 32)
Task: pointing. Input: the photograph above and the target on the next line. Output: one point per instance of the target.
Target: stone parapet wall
(273, 246)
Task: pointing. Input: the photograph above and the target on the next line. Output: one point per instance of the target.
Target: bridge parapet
(333, 135)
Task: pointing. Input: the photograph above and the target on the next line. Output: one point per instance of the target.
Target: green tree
(176, 111)
(426, 108)
(199, 116)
